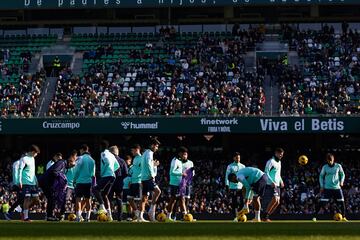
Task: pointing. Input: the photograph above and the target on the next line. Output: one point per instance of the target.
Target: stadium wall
(183, 125)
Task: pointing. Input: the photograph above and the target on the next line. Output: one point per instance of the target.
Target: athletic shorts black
(174, 191)
(83, 190)
(148, 186)
(105, 184)
(336, 194)
(260, 186)
(30, 191)
(126, 193)
(134, 190)
(118, 186)
(271, 191)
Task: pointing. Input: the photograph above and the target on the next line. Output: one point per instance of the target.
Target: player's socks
(109, 215)
(102, 207)
(257, 215)
(78, 215)
(168, 215)
(152, 208)
(137, 214)
(26, 214)
(88, 215)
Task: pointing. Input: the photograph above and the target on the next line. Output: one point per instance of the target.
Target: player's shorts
(30, 191)
(118, 186)
(105, 184)
(188, 191)
(126, 193)
(83, 190)
(336, 194)
(134, 191)
(174, 191)
(259, 187)
(148, 186)
(271, 191)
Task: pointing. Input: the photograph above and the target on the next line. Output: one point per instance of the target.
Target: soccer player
(84, 175)
(274, 183)
(53, 183)
(27, 179)
(253, 180)
(108, 166)
(126, 189)
(187, 167)
(118, 185)
(176, 173)
(69, 172)
(148, 174)
(56, 157)
(15, 188)
(135, 182)
(235, 188)
(331, 180)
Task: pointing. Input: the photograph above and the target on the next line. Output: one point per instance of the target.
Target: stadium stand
(167, 73)
(20, 91)
(328, 82)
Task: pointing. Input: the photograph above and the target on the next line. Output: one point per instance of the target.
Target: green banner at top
(60, 4)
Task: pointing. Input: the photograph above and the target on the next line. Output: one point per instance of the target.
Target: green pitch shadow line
(43, 229)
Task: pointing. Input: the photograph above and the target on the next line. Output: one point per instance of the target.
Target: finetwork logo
(219, 125)
(131, 125)
(205, 121)
(61, 125)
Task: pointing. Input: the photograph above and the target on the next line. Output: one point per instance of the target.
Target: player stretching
(176, 173)
(274, 182)
(235, 188)
(331, 179)
(27, 179)
(69, 173)
(83, 178)
(148, 174)
(135, 182)
(254, 180)
(108, 166)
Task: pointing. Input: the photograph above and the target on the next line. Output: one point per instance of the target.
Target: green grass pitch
(277, 230)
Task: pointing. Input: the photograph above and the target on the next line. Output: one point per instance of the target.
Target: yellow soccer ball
(303, 160)
(338, 217)
(161, 217)
(102, 217)
(71, 217)
(188, 217)
(242, 218)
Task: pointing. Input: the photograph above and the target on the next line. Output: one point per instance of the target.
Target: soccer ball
(71, 217)
(303, 160)
(188, 217)
(161, 217)
(338, 217)
(242, 218)
(102, 217)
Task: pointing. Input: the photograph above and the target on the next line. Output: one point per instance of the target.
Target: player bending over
(253, 179)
